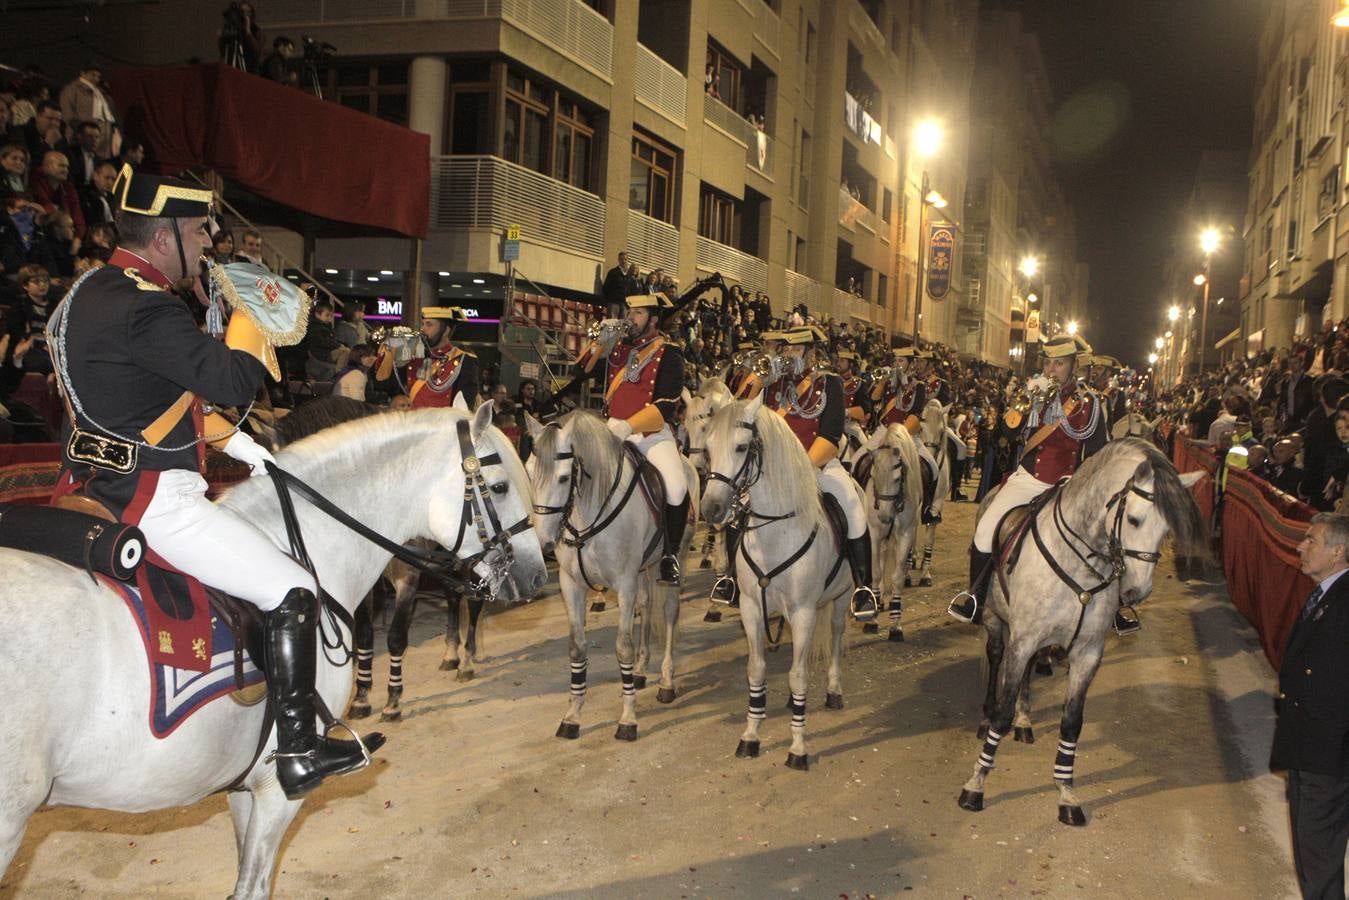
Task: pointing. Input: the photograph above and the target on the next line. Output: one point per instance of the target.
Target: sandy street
(474, 796)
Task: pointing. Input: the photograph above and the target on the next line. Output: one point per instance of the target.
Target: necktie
(1312, 601)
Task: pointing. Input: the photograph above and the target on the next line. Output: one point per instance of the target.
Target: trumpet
(1036, 390)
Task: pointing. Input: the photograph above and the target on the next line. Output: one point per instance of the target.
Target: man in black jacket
(1295, 399)
(618, 286)
(1311, 739)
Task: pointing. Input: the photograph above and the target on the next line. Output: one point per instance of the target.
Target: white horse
(787, 561)
(83, 739)
(932, 434)
(894, 497)
(589, 509)
(699, 408)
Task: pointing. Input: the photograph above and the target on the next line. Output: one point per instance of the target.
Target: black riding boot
(965, 606)
(676, 517)
(864, 605)
(726, 590)
(303, 759)
(1126, 621)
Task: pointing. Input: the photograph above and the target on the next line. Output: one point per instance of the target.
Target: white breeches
(836, 482)
(215, 546)
(660, 448)
(1021, 488)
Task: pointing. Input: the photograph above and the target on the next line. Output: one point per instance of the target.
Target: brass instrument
(1036, 390)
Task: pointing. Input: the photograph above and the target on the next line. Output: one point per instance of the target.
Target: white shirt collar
(1329, 581)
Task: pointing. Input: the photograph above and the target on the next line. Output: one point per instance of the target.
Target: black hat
(154, 195)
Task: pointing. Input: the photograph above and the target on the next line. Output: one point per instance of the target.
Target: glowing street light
(927, 138)
(1152, 359)
(1173, 314)
(1030, 266)
(1209, 239)
(935, 200)
(1072, 326)
(1159, 343)
(1033, 298)
(1341, 18)
(1200, 279)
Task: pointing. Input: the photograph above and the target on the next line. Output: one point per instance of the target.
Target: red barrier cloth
(281, 143)
(28, 472)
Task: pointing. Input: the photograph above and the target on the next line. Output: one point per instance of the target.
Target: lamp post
(927, 141)
(1172, 316)
(1209, 239)
(1029, 268)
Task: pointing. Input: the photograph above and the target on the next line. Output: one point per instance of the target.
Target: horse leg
(896, 608)
(803, 630)
(268, 818)
(882, 566)
(1010, 675)
(21, 794)
(666, 692)
(755, 671)
(405, 604)
(449, 660)
(628, 596)
(1081, 670)
(364, 639)
(833, 698)
(645, 597)
(993, 650)
(709, 546)
(1022, 732)
(241, 809)
(470, 646)
(926, 579)
(574, 598)
(908, 569)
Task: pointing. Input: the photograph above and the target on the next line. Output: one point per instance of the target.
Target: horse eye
(1135, 521)
(741, 448)
(500, 487)
(564, 479)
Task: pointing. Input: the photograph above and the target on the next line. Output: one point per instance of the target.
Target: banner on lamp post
(1033, 327)
(941, 257)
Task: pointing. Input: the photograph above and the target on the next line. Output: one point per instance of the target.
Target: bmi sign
(941, 257)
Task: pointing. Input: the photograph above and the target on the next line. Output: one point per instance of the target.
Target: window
(575, 134)
(546, 132)
(887, 206)
(470, 123)
(803, 171)
(377, 89)
(882, 289)
(810, 43)
(726, 75)
(651, 184)
(718, 218)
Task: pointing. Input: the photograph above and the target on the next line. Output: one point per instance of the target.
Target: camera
(233, 29)
(316, 52)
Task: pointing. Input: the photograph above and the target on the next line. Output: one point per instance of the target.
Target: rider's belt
(156, 431)
(1045, 431)
(101, 452)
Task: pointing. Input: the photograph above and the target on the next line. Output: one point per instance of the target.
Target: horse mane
(318, 414)
(786, 467)
(714, 389)
(592, 442)
(898, 440)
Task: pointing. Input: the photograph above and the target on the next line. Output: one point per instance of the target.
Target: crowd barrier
(1261, 528)
(28, 472)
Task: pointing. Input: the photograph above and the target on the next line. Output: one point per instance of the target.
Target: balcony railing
(853, 212)
(489, 192)
(652, 243)
(750, 271)
(803, 289)
(768, 28)
(758, 145)
(851, 305)
(660, 86)
(572, 28)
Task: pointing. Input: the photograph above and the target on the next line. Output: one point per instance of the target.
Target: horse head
(1154, 503)
(480, 509)
(733, 445)
(554, 473)
(699, 410)
(894, 464)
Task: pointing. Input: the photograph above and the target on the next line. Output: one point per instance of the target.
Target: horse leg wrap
(989, 750)
(758, 701)
(396, 671)
(629, 685)
(1064, 760)
(896, 609)
(798, 710)
(927, 557)
(578, 679)
(364, 666)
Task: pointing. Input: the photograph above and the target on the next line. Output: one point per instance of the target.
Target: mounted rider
(1062, 429)
(137, 377)
(900, 398)
(810, 398)
(446, 372)
(739, 374)
(646, 376)
(856, 386)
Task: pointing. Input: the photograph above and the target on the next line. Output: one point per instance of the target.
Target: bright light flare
(1209, 239)
(1030, 266)
(927, 138)
(1072, 327)
(1173, 313)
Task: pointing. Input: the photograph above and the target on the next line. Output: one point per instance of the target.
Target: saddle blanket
(176, 693)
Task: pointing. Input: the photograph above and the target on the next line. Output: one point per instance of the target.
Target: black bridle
(897, 498)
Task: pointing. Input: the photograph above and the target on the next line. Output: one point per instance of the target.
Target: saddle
(862, 470)
(653, 487)
(1010, 536)
(838, 521)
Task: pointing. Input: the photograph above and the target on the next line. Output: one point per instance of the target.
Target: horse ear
(946, 410)
(460, 403)
(752, 407)
(533, 427)
(1189, 479)
(482, 419)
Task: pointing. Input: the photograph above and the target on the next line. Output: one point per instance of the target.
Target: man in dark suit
(1295, 400)
(618, 286)
(1311, 739)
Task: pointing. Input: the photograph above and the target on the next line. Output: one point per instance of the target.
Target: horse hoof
(971, 801)
(705, 564)
(799, 762)
(1023, 735)
(1072, 815)
(773, 648)
(391, 715)
(747, 749)
(597, 606)
(908, 582)
(359, 711)
(870, 628)
(713, 615)
(1044, 667)
(897, 635)
(982, 732)
(925, 581)
(449, 665)
(464, 675)
(569, 730)
(626, 732)
(665, 695)
(833, 701)
(639, 681)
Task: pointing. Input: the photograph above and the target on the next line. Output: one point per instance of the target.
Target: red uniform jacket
(814, 391)
(1060, 454)
(437, 379)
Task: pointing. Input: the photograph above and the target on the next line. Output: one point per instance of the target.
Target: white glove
(620, 428)
(246, 450)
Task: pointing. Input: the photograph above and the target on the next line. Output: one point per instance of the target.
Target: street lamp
(1173, 314)
(927, 141)
(1209, 239)
(1032, 298)
(1152, 359)
(1159, 343)
(1072, 326)
(1030, 266)
(1341, 18)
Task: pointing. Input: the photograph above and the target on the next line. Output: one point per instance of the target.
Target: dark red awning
(280, 143)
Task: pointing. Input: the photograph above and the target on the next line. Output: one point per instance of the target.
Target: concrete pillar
(426, 113)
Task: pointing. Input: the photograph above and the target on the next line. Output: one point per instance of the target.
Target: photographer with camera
(240, 39)
(280, 64)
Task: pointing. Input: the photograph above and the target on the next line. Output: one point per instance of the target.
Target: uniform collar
(125, 259)
(643, 341)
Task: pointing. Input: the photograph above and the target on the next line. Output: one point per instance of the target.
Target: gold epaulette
(141, 283)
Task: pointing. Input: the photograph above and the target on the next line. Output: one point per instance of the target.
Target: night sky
(1140, 88)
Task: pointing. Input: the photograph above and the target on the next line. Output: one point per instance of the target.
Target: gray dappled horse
(932, 434)
(894, 497)
(699, 408)
(590, 510)
(1089, 546)
(83, 739)
(787, 562)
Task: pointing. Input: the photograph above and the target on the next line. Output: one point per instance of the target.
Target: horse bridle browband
(897, 498)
